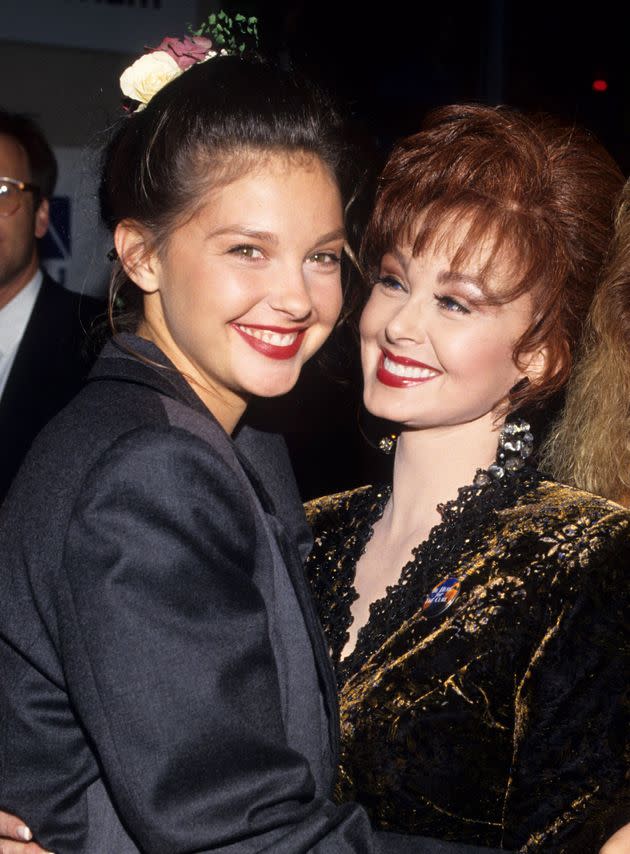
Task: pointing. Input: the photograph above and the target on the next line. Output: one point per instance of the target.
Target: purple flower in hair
(187, 51)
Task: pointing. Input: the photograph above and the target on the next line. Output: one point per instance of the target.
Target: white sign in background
(111, 25)
(75, 249)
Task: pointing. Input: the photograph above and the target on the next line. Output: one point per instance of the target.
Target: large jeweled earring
(516, 444)
(387, 443)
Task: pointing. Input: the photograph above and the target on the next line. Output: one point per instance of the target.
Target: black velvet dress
(502, 720)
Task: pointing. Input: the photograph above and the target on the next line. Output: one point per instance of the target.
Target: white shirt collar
(14, 316)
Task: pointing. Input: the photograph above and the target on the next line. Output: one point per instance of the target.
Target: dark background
(393, 65)
(388, 68)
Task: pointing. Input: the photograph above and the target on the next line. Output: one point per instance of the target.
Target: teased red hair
(542, 191)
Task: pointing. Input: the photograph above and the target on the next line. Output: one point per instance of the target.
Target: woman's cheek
(368, 322)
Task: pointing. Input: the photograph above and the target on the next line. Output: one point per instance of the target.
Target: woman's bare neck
(429, 469)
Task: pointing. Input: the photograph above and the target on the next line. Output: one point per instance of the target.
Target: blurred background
(60, 61)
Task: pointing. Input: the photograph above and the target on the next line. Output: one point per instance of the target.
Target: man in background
(43, 351)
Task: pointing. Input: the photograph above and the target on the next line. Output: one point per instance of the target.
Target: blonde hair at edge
(589, 446)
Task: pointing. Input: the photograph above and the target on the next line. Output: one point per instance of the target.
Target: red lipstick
(395, 380)
(269, 348)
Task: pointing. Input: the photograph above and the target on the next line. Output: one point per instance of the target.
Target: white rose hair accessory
(218, 36)
(148, 75)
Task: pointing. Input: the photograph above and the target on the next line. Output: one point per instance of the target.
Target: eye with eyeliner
(390, 283)
(449, 303)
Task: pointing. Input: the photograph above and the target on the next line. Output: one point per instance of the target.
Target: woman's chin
(382, 408)
(273, 388)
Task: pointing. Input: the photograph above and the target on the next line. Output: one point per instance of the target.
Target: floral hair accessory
(187, 51)
(218, 36)
(148, 75)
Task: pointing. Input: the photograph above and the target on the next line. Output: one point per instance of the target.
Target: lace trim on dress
(463, 521)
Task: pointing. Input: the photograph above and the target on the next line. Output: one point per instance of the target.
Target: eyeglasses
(11, 192)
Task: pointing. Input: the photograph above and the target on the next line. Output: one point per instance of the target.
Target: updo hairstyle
(203, 130)
(541, 191)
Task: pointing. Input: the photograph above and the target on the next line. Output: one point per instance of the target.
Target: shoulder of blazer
(54, 338)
(50, 365)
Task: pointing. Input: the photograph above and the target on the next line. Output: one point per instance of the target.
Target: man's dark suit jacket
(51, 364)
(165, 682)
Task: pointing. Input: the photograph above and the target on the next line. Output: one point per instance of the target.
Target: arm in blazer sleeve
(572, 705)
(169, 663)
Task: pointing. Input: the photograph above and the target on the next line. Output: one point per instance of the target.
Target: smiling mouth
(400, 372)
(272, 341)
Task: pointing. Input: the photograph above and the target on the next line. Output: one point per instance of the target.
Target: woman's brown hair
(542, 191)
(205, 128)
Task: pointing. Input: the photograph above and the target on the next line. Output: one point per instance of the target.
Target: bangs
(512, 242)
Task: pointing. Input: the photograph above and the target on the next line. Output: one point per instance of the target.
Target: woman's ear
(137, 256)
(535, 364)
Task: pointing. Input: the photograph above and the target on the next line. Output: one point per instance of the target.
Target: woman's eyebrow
(245, 231)
(453, 277)
(269, 236)
(337, 234)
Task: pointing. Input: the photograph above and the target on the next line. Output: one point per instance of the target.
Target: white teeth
(408, 371)
(274, 338)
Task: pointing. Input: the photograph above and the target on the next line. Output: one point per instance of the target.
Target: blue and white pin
(441, 597)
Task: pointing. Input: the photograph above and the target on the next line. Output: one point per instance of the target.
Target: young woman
(476, 629)
(589, 445)
(165, 683)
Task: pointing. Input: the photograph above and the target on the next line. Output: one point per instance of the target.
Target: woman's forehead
(464, 244)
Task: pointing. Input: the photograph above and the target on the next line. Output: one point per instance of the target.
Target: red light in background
(600, 85)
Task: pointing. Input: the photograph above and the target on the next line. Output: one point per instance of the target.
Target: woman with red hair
(474, 608)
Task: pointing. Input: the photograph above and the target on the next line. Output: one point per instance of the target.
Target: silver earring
(515, 446)
(387, 443)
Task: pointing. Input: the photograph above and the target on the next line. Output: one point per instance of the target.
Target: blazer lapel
(47, 359)
(295, 568)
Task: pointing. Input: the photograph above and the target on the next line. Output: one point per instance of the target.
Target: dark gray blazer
(165, 682)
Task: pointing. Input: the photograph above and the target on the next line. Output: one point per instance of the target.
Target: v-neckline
(462, 521)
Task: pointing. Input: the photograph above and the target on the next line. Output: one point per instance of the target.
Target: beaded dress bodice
(463, 520)
(503, 721)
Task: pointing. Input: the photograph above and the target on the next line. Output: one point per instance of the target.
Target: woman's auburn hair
(541, 191)
(589, 446)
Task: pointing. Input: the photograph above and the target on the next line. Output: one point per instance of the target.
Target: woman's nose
(291, 296)
(407, 324)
